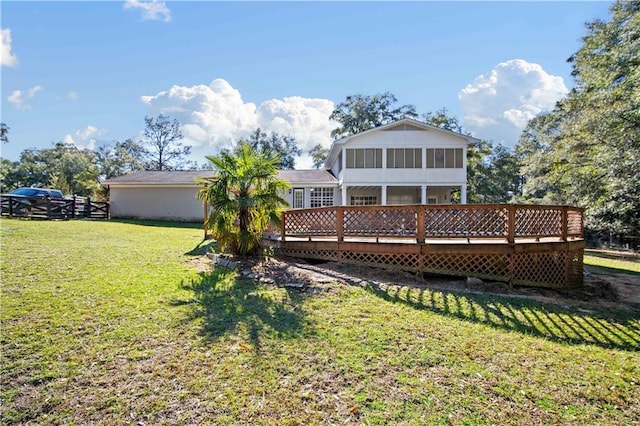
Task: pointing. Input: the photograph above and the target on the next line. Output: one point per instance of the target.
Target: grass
(612, 262)
(106, 323)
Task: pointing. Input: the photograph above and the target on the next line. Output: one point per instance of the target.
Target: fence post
(10, 206)
(48, 208)
(73, 207)
(420, 225)
(511, 224)
(340, 223)
(87, 207)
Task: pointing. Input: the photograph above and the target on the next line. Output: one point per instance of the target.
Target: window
(364, 158)
(404, 158)
(298, 198)
(364, 200)
(440, 158)
(321, 197)
(432, 200)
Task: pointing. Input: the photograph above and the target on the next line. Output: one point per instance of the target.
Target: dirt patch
(600, 290)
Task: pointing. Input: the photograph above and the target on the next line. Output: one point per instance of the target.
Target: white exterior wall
(177, 203)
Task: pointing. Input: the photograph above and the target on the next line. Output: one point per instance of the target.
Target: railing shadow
(227, 303)
(607, 329)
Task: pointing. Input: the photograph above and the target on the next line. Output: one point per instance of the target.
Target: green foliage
(589, 145)
(244, 195)
(284, 147)
(162, 147)
(442, 119)
(318, 155)
(120, 159)
(360, 112)
(63, 167)
(4, 132)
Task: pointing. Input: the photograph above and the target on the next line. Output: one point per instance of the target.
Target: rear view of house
(404, 162)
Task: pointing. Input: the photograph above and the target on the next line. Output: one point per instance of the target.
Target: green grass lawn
(107, 323)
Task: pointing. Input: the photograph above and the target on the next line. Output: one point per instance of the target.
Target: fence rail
(420, 222)
(47, 208)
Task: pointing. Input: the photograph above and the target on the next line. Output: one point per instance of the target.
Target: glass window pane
(418, 158)
(378, 158)
(359, 158)
(390, 158)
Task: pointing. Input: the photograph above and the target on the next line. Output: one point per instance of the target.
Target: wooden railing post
(87, 207)
(565, 223)
(340, 223)
(283, 227)
(420, 228)
(511, 224)
(10, 206)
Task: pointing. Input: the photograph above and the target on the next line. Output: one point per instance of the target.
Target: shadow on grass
(617, 329)
(606, 328)
(227, 303)
(204, 247)
(160, 223)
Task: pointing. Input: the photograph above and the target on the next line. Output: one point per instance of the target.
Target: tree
(120, 159)
(443, 120)
(162, 143)
(4, 131)
(359, 113)
(284, 147)
(64, 167)
(244, 195)
(318, 155)
(590, 147)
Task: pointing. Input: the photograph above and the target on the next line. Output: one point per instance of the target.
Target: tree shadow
(604, 328)
(204, 247)
(227, 303)
(159, 223)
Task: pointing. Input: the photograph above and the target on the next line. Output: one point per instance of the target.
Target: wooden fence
(522, 244)
(48, 208)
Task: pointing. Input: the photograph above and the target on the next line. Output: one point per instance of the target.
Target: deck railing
(422, 222)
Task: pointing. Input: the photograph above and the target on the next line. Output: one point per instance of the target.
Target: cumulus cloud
(151, 10)
(498, 105)
(7, 58)
(19, 98)
(86, 138)
(214, 117)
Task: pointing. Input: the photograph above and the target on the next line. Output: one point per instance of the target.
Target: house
(404, 162)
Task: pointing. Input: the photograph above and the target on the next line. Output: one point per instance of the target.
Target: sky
(87, 73)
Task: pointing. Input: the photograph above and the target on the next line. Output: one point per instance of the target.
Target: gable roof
(402, 124)
(188, 177)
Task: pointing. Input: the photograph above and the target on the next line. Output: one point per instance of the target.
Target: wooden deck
(529, 245)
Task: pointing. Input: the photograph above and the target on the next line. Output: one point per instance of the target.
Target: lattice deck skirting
(555, 264)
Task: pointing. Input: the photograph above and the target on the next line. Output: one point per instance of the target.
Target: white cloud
(86, 138)
(18, 98)
(216, 116)
(73, 96)
(151, 10)
(7, 58)
(498, 105)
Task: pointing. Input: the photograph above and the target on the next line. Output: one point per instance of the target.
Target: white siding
(177, 203)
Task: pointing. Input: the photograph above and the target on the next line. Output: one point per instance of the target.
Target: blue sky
(88, 72)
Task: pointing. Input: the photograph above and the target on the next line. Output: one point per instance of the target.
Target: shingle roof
(188, 177)
(172, 177)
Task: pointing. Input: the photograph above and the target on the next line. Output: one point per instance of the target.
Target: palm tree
(244, 195)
